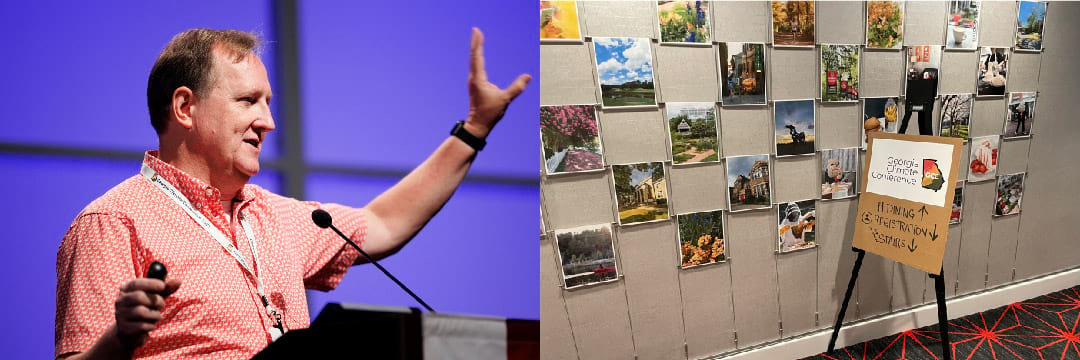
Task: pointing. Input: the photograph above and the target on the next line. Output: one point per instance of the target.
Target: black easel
(942, 312)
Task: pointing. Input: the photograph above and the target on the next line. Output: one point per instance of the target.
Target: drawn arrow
(923, 211)
(933, 234)
(911, 247)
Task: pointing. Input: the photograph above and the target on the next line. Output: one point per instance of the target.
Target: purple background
(381, 85)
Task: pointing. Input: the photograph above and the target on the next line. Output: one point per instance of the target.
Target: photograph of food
(962, 24)
(884, 24)
(701, 238)
(1010, 190)
(993, 70)
(796, 226)
(879, 114)
(984, 157)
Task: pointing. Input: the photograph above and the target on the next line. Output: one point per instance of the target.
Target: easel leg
(942, 314)
(847, 298)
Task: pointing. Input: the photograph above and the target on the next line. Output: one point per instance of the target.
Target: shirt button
(209, 192)
(198, 206)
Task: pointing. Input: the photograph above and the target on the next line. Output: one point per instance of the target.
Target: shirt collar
(197, 191)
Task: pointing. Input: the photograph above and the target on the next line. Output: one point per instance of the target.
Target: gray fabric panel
(746, 130)
(741, 21)
(601, 325)
(794, 73)
(978, 207)
(951, 261)
(1002, 248)
(708, 310)
(875, 283)
(633, 136)
(796, 178)
(648, 262)
(852, 30)
(924, 22)
(882, 73)
(578, 200)
(988, 116)
(965, 153)
(1023, 72)
(556, 335)
(798, 290)
(908, 287)
(835, 257)
(838, 126)
(568, 74)
(620, 18)
(1013, 155)
(958, 72)
(697, 188)
(997, 23)
(687, 73)
(753, 272)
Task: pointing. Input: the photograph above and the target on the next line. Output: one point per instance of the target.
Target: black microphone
(156, 271)
(324, 220)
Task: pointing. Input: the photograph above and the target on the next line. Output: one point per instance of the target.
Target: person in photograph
(835, 179)
(794, 226)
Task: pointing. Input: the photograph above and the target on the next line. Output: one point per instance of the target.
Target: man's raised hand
(487, 102)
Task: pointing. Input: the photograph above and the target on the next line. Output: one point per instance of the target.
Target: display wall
(656, 308)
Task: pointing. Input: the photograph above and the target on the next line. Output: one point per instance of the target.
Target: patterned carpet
(1041, 328)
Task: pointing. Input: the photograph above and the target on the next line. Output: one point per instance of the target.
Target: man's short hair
(186, 61)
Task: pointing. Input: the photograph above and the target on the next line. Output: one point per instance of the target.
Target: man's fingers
(518, 86)
(135, 298)
(144, 314)
(144, 284)
(476, 63)
(171, 286)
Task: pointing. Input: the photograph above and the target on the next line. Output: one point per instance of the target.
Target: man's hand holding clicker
(138, 309)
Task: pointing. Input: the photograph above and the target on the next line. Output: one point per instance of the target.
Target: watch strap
(474, 142)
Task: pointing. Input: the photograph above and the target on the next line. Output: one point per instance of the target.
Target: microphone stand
(384, 271)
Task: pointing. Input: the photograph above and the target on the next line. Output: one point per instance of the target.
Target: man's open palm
(488, 102)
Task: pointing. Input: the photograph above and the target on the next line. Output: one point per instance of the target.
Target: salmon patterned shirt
(217, 312)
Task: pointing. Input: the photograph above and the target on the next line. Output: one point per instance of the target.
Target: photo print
(748, 182)
(993, 69)
(570, 138)
(839, 174)
(957, 203)
(796, 226)
(1029, 25)
(793, 23)
(880, 114)
(701, 238)
(625, 70)
(1010, 190)
(685, 22)
(794, 127)
(955, 115)
(962, 25)
(587, 255)
(692, 131)
(742, 73)
(839, 73)
(559, 21)
(641, 191)
(984, 157)
(884, 24)
(921, 86)
(1020, 114)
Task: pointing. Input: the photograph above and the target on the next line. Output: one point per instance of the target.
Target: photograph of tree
(957, 203)
(587, 255)
(748, 182)
(839, 173)
(794, 127)
(692, 131)
(624, 66)
(1029, 25)
(1010, 190)
(684, 21)
(880, 114)
(571, 138)
(993, 68)
(793, 23)
(1020, 115)
(701, 238)
(742, 73)
(641, 191)
(839, 73)
(984, 157)
(955, 115)
(884, 24)
(559, 21)
(962, 25)
(796, 226)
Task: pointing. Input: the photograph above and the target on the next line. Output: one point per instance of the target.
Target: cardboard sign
(904, 210)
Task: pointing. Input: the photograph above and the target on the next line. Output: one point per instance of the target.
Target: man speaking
(238, 257)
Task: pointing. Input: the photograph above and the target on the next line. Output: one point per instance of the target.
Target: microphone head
(321, 218)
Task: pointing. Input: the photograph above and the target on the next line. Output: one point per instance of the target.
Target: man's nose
(265, 122)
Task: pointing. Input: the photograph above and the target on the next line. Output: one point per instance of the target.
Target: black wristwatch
(469, 139)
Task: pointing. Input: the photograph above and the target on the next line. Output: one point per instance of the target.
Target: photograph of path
(692, 130)
(571, 138)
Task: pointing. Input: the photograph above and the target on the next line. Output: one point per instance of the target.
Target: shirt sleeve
(94, 260)
(329, 256)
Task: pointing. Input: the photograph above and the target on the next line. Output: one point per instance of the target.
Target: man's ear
(183, 100)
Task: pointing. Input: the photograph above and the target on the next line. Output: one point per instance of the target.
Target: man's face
(232, 118)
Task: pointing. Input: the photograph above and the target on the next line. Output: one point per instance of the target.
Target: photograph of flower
(880, 114)
(742, 73)
(962, 25)
(884, 24)
(793, 23)
(993, 68)
(641, 191)
(748, 182)
(692, 131)
(701, 238)
(984, 157)
(1029, 25)
(587, 255)
(570, 138)
(957, 203)
(559, 21)
(955, 115)
(796, 226)
(794, 127)
(839, 73)
(1010, 190)
(684, 21)
(625, 70)
(1020, 115)
(839, 177)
